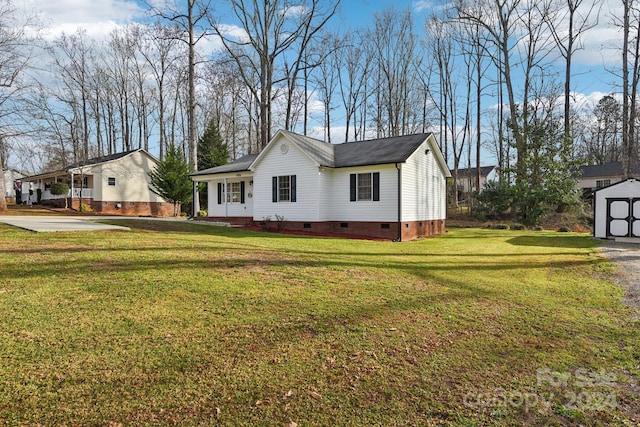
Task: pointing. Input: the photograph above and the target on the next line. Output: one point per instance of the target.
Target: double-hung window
(365, 186)
(233, 193)
(283, 188)
(600, 183)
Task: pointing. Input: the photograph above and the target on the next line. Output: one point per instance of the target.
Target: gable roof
(240, 165)
(90, 162)
(607, 169)
(484, 171)
(378, 151)
(349, 154)
(98, 160)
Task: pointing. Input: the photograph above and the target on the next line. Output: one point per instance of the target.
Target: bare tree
(15, 52)
(190, 21)
(567, 26)
(270, 30)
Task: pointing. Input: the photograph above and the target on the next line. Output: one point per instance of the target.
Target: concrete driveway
(41, 224)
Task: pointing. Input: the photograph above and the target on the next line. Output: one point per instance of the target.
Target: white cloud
(99, 18)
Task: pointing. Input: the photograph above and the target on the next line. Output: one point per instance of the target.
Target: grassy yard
(186, 324)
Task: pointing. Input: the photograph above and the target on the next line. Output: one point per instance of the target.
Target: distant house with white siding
(116, 184)
(594, 177)
(12, 182)
(390, 188)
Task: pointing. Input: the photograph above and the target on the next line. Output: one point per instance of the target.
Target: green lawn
(186, 324)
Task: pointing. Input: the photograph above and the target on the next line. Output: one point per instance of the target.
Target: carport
(617, 210)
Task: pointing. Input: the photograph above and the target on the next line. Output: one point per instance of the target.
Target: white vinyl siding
(384, 210)
(277, 162)
(423, 187)
(227, 206)
(132, 181)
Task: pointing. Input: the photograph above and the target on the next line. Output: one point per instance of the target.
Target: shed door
(623, 217)
(635, 217)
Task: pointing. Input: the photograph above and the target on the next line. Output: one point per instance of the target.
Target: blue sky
(100, 17)
(593, 64)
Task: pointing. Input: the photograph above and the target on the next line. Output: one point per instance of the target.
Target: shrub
(85, 208)
(202, 213)
(266, 222)
(495, 199)
(517, 227)
(281, 222)
(59, 189)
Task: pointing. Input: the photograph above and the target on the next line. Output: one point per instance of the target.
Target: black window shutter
(353, 179)
(241, 191)
(274, 189)
(376, 186)
(293, 188)
(219, 193)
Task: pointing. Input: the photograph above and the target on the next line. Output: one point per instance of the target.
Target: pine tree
(212, 150)
(170, 179)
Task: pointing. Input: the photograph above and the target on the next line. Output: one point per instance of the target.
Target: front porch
(80, 192)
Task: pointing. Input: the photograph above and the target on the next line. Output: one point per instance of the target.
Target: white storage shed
(617, 210)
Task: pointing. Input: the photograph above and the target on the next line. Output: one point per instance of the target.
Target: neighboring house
(467, 179)
(593, 177)
(391, 188)
(617, 210)
(12, 182)
(115, 184)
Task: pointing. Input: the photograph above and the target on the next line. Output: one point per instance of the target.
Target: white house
(116, 184)
(617, 210)
(12, 182)
(594, 177)
(391, 188)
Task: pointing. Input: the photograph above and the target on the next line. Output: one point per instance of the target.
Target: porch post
(224, 192)
(72, 191)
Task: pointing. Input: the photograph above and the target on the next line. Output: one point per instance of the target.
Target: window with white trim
(283, 188)
(111, 181)
(600, 183)
(233, 192)
(365, 186)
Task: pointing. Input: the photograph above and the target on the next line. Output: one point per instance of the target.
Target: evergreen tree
(212, 150)
(170, 179)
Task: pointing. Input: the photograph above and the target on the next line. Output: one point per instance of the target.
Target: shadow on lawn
(573, 241)
(245, 257)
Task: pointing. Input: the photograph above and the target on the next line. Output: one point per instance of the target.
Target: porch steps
(635, 240)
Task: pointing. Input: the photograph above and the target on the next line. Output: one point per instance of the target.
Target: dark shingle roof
(371, 152)
(607, 169)
(378, 151)
(321, 152)
(484, 171)
(98, 160)
(239, 165)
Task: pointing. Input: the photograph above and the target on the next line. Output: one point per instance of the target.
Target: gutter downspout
(399, 238)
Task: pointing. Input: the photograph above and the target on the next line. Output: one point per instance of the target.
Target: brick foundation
(381, 230)
(236, 220)
(116, 208)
